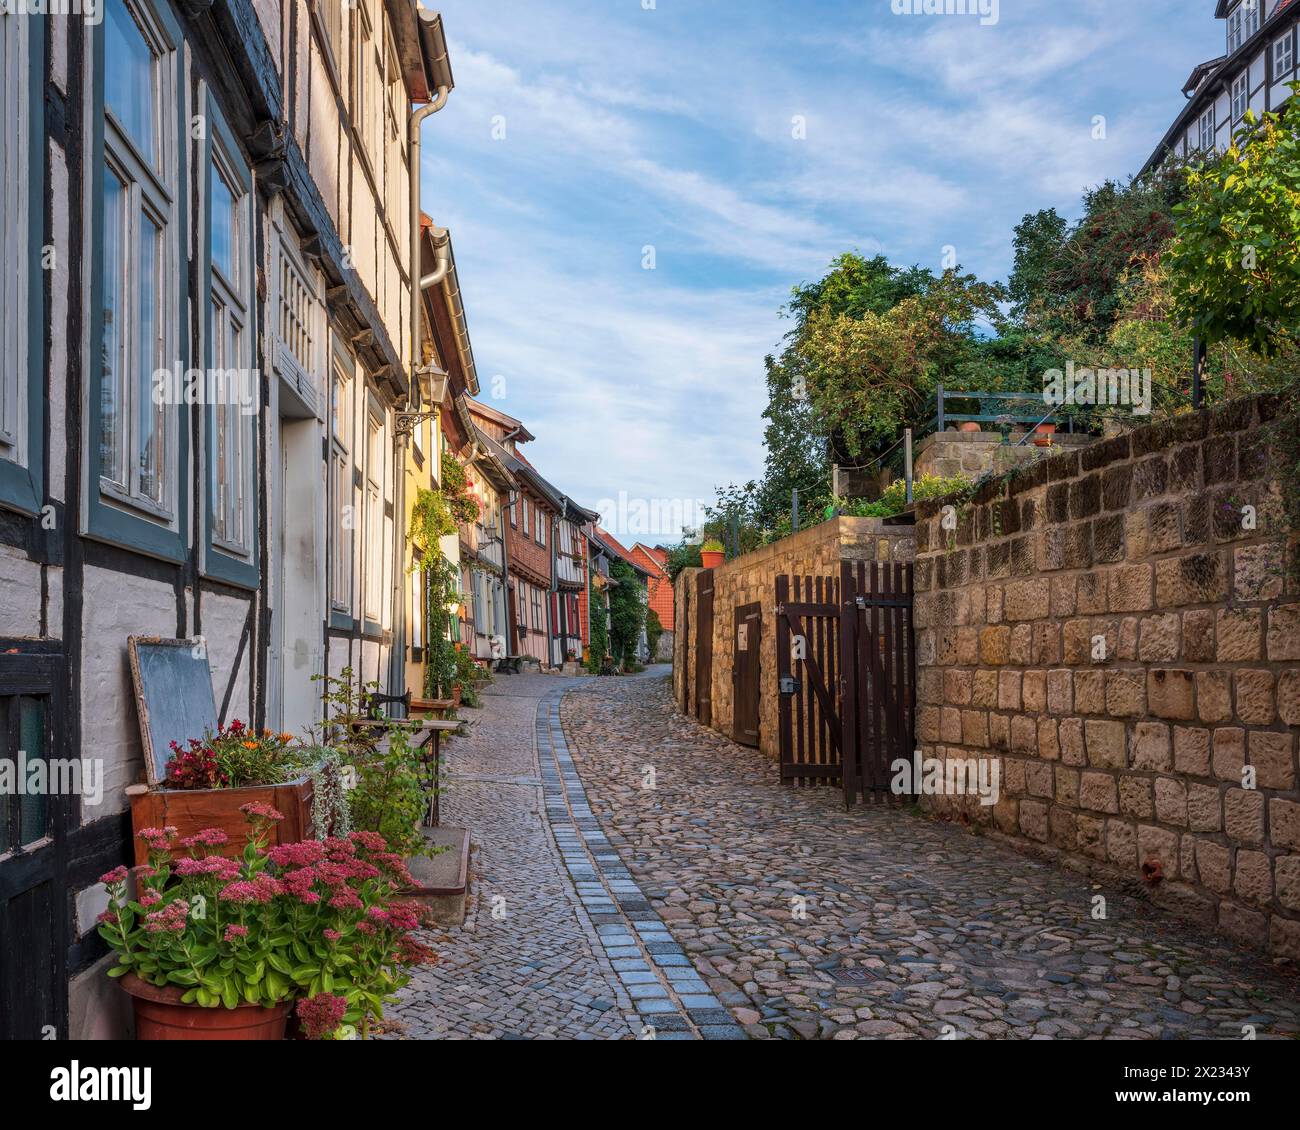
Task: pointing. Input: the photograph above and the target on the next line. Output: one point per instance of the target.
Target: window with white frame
(417, 603)
(1250, 18)
(235, 405)
(1235, 37)
(14, 265)
(1206, 137)
(1240, 96)
(1284, 55)
(341, 493)
(526, 507)
(374, 549)
(542, 519)
(140, 261)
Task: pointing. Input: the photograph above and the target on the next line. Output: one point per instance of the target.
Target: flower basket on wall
(191, 810)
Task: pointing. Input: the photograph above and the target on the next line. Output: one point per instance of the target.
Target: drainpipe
(397, 657)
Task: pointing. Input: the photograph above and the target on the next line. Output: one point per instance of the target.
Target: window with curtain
(234, 408)
(140, 272)
(341, 492)
(374, 548)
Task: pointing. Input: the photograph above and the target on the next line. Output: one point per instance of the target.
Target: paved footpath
(558, 942)
(810, 922)
(528, 962)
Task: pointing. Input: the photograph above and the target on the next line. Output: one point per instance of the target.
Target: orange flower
(250, 745)
(286, 738)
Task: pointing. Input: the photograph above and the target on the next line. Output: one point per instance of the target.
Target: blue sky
(673, 128)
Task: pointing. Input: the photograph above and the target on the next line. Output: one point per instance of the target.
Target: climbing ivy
(626, 613)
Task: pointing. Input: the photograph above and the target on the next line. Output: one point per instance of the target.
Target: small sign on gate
(742, 637)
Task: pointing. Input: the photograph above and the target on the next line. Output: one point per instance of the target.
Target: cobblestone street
(913, 928)
(719, 905)
(527, 963)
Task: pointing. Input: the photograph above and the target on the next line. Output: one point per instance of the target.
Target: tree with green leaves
(1235, 264)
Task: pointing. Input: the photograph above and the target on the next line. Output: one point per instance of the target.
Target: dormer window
(1251, 8)
(1234, 29)
(1243, 22)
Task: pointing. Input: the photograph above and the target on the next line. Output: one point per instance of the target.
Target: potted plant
(1043, 435)
(211, 779)
(217, 948)
(711, 553)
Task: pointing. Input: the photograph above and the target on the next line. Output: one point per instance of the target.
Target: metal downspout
(397, 656)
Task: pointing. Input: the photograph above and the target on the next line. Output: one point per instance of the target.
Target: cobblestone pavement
(913, 928)
(528, 962)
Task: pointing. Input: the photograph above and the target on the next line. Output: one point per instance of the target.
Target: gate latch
(860, 601)
(789, 684)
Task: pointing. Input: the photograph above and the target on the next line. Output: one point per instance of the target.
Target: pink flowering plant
(315, 918)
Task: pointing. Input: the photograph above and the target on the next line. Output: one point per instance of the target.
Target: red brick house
(654, 559)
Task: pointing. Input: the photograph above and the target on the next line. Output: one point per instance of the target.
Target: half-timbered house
(1259, 61)
(206, 345)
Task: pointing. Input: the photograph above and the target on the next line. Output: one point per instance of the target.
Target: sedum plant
(291, 922)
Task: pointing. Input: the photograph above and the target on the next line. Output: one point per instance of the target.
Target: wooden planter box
(192, 810)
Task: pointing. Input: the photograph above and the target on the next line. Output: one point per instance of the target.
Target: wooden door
(745, 674)
(704, 647)
(34, 901)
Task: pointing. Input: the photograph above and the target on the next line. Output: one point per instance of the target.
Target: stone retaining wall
(1109, 627)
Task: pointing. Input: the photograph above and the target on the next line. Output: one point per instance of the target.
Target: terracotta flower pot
(1043, 435)
(712, 558)
(159, 1015)
(970, 426)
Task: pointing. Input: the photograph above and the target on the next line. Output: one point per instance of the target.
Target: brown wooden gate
(878, 659)
(846, 674)
(807, 655)
(704, 647)
(745, 674)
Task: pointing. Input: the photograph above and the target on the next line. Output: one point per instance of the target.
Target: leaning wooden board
(173, 696)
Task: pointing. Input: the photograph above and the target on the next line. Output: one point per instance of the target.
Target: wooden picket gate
(846, 671)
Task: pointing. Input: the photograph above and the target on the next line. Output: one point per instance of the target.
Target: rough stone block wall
(947, 454)
(1112, 628)
(751, 579)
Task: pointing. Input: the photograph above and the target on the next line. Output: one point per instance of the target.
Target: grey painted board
(173, 694)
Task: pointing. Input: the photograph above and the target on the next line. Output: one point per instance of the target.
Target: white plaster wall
(223, 624)
(54, 603)
(117, 605)
(269, 16)
(323, 136)
(20, 594)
